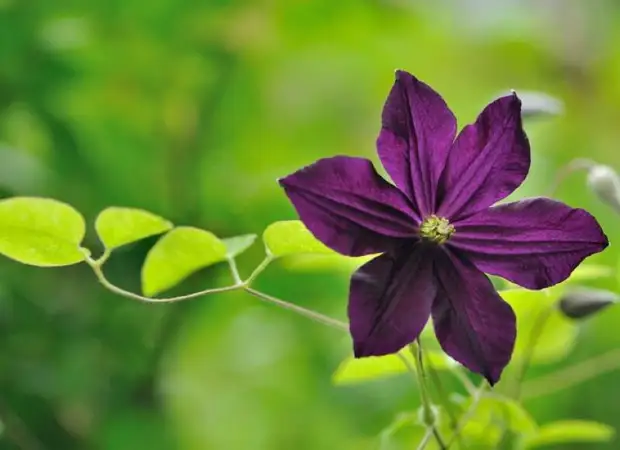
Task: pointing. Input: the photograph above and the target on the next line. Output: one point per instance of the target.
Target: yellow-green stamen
(436, 229)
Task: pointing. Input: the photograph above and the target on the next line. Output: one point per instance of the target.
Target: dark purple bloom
(437, 229)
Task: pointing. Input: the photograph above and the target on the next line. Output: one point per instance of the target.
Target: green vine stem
(428, 415)
(572, 375)
(478, 394)
(523, 365)
(556, 381)
(573, 166)
(313, 315)
(426, 439)
(239, 285)
(97, 269)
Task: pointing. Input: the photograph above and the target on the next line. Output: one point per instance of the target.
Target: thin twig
(426, 439)
(469, 413)
(428, 414)
(573, 166)
(535, 332)
(317, 317)
(120, 291)
(572, 375)
(259, 269)
(232, 264)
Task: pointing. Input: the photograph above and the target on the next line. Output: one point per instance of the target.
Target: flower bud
(537, 104)
(604, 182)
(428, 417)
(579, 303)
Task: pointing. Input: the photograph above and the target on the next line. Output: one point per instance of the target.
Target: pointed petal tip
(359, 350)
(400, 72)
(492, 380)
(363, 350)
(404, 76)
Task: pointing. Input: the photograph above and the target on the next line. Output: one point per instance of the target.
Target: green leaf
(569, 431)
(41, 232)
(439, 360)
(589, 272)
(291, 237)
(556, 337)
(178, 254)
(495, 414)
(353, 370)
(120, 226)
(313, 262)
(238, 244)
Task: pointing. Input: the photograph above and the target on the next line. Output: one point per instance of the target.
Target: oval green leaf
(178, 254)
(41, 232)
(556, 337)
(358, 370)
(291, 237)
(118, 226)
(238, 244)
(334, 262)
(569, 431)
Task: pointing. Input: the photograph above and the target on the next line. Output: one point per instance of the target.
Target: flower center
(436, 229)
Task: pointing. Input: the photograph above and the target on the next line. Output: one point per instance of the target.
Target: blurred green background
(192, 110)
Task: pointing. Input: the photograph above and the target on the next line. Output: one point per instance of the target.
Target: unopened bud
(428, 417)
(604, 182)
(537, 104)
(579, 303)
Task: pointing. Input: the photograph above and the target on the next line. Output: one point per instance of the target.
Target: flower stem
(426, 439)
(536, 331)
(478, 394)
(428, 415)
(573, 166)
(427, 411)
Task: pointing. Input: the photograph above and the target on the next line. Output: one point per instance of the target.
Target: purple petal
(488, 161)
(472, 322)
(390, 301)
(534, 243)
(417, 132)
(346, 204)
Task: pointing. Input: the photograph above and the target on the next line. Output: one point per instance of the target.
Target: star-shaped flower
(437, 229)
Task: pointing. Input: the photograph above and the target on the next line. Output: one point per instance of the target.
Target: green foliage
(316, 262)
(567, 432)
(41, 232)
(238, 244)
(178, 254)
(493, 417)
(118, 226)
(590, 272)
(402, 420)
(193, 109)
(356, 370)
(538, 317)
(291, 237)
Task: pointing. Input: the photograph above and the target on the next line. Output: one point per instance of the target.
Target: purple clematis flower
(437, 229)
